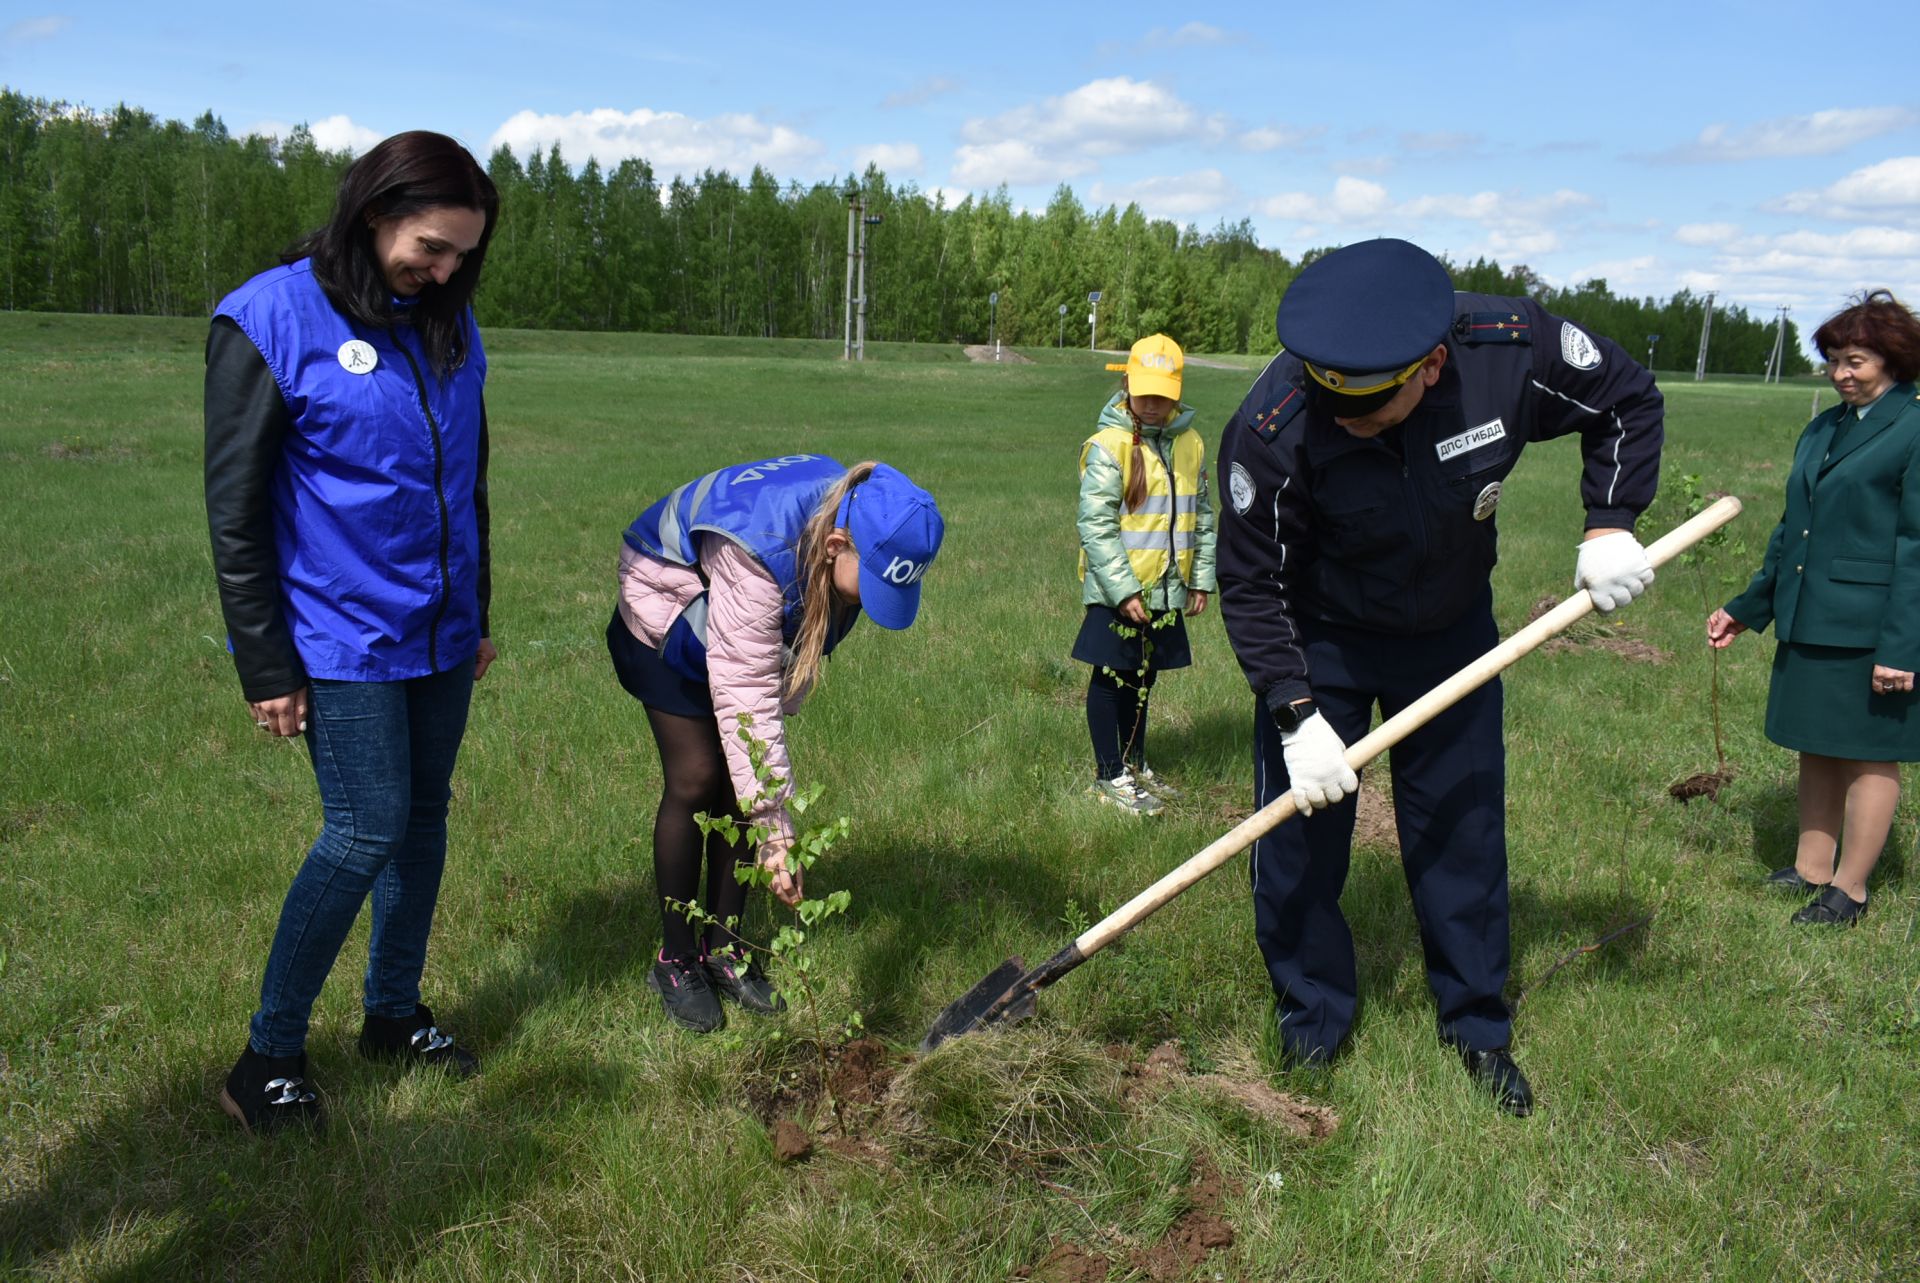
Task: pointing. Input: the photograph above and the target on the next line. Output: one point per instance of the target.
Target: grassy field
(1722, 1096)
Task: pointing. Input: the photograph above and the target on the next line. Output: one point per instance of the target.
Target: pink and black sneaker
(745, 983)
(687, 994)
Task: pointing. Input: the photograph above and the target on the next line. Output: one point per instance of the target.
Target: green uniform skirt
(1822, 701)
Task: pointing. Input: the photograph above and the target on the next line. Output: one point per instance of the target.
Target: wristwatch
(1288, 717)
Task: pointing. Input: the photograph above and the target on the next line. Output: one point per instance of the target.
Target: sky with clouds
(1766, 151)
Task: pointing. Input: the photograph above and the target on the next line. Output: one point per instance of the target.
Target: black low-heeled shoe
(1789, 879)
(416, 1040)
(1832, 908)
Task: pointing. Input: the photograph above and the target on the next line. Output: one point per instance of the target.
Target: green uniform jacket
(1843, 566)
(1110, 579)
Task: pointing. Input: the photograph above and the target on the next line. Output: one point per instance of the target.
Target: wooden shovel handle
(1389, 733)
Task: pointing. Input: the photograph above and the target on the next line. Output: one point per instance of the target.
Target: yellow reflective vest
(1126, 552)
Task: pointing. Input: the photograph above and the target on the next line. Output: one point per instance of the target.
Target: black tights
(1117, 719)
(695, 779)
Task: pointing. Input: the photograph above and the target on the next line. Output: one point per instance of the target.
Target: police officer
(1363, 473)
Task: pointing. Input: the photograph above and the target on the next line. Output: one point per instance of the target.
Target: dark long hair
(1882, 325)
(406, 174)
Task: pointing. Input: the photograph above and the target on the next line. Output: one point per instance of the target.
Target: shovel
(1007, 992)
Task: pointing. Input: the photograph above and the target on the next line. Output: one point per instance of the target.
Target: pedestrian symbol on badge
(358, 357)
(1489, 500)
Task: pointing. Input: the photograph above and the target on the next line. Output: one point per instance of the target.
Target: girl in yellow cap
(1146, 560)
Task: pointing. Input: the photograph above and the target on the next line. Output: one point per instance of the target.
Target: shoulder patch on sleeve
(1267, 424)
(1492, 327)
(1240, 487)
(1577, 348)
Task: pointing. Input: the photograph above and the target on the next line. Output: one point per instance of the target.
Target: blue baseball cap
(1363, 318)
(896, 528)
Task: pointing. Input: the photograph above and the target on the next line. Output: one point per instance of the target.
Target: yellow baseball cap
(1153, 367)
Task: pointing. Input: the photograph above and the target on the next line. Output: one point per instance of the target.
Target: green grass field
(1722, 1096)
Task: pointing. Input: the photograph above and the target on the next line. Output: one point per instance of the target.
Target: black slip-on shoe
(416, 1040)
(687, 994)
(1494, 1070)
(1789, 879)
(747, 985)
(1832, 908)
(267, 1093)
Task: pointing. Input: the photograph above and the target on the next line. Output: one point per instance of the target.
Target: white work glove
(1317, 765)
(1613, 569)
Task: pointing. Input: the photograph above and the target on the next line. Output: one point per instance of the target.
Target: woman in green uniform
(1841, 586)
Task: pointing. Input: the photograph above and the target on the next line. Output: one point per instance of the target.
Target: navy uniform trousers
(1449, 794)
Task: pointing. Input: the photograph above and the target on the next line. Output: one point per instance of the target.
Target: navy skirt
(1822, 701)
(646, 677)
(1100, 643)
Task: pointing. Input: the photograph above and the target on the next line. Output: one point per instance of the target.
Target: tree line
(121, 212)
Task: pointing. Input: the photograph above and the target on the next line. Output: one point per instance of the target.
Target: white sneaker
(1146, 780)
(1121, 791)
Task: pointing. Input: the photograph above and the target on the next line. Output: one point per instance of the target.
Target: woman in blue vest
(733, 589)
(346, 488)
(1840, 583)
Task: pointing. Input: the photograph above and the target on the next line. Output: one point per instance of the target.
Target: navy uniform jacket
(1396, 535)
(1843, 566)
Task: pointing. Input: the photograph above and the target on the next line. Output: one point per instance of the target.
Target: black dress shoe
(416, 1040)
(1832, 908)
(1495, 1071)
(1789, 879)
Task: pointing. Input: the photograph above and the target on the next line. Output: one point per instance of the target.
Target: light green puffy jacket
(1110, 579)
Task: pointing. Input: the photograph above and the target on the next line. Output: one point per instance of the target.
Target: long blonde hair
(817, 604)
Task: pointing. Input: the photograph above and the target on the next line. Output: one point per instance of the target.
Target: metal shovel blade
(967, 1011)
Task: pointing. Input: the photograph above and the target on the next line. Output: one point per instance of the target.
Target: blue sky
(1767, 151)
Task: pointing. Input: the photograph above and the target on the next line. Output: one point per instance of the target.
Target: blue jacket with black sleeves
(1397, 534)
(346, 488)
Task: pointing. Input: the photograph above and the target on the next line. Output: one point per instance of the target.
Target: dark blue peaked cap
(1361, 316)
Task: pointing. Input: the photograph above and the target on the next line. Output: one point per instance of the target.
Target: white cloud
(1890, 188)
(1192, 35)
(1100, 118)
(671, 142)
(919, 92)
(1819, 134)
(892, 158)
(28, 30)
(1641, 274)
(1179, 197)
(1813, 272)
(1363, 165)
(1273, 137)
(1440, 142)
(1186, 37)
(1516, 225)
(330, 133)
(1706, 233)
(1013, 163)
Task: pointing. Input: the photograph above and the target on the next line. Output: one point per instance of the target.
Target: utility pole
(1777, 357)
(860, 338)
(1653, 341)
(1063, 326)
(993, 322)
(1706, 327)
(853, 215)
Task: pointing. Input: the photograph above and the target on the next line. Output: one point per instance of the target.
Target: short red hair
(1881, 324)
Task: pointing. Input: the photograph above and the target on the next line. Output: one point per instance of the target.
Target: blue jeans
(383, 755)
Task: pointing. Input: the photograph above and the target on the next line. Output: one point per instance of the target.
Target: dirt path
(984, 352)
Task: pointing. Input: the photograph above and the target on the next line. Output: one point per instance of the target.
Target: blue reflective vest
(375, 528)
(763, 507)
